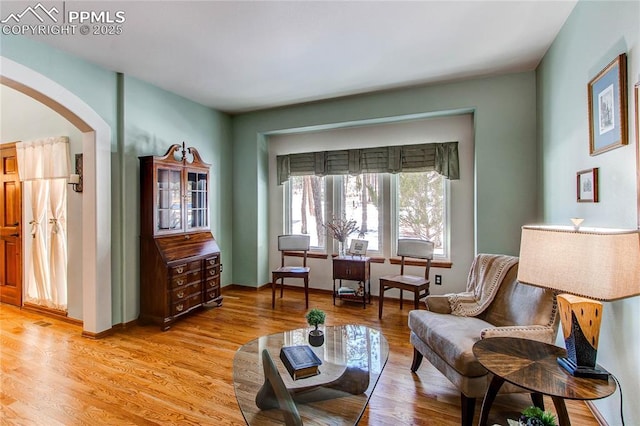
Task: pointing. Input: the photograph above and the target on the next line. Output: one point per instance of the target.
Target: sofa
(446, 339)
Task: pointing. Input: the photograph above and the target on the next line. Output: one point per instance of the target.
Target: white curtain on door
(38, 282)
(44, 163)
(58, 246)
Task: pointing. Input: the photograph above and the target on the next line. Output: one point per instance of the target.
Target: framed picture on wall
(587, 186)
(607, 93)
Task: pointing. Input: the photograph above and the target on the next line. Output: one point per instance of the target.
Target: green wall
(144, 120)
(155, 119)
(595, 33)
(505, 157)
(94, 85)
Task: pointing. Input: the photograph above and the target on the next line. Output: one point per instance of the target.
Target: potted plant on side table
(315, 317)
(534, 416)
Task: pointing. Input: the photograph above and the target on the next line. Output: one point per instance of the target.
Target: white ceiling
(238, 56)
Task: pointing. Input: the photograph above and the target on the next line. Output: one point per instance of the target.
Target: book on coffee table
(300, 361)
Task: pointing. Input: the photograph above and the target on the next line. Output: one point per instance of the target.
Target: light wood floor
(142, 376)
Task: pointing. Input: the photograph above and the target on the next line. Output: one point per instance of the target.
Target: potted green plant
(315, 317)
(534, 416)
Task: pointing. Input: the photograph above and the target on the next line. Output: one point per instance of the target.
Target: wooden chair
(411, 248)
(287, 244)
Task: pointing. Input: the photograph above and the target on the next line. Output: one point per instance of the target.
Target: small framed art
(587, 186)
(607, 94)
(358, 247)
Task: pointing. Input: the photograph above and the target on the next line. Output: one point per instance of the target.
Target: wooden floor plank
(143, 376)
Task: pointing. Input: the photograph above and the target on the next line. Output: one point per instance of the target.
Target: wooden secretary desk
(179, 258)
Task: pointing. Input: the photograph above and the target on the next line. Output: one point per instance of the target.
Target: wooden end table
(352, 268)
(532, 365)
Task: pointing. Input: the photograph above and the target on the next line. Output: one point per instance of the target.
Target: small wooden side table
(533, 366)
(352, 268)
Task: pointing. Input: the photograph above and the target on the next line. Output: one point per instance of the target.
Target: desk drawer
(212, 261)
(184, 268)
(186, 279)
(185, 292)
(185, 305)
(211, 293)
(213, 283)
(211, 272)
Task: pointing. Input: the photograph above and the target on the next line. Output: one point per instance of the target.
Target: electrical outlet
(438, 279)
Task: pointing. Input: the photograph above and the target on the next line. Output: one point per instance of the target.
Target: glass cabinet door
(169, 203)
(197, 202)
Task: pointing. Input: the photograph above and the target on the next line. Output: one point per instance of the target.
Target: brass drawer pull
(179, 269)
(212, 271)
(212, 283)
(180, 282)
(179, 307)
(212, 261)
(180, 295)
(212, 295)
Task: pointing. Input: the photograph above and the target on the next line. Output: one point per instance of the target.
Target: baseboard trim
(125, 325)
(114, 328)
(51, 313)
(63, 316)
(240, 287)
(267, 286)
(596, 413)
(96, 336)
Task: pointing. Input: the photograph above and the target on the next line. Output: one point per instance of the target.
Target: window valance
(439, 157)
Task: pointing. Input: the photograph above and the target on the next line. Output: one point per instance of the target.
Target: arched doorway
(96, 203)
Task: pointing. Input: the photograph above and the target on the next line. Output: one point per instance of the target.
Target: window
(305, 208)
(421, 208)
(361, 201)
(417, 202)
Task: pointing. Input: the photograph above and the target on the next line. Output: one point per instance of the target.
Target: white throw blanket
(485, 276)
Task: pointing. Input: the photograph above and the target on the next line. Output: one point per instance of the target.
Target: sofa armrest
(541, 333)
(438, 304)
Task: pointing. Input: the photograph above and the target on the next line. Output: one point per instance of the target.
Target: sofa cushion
(451, 337)
(438, 303)
(520, 304)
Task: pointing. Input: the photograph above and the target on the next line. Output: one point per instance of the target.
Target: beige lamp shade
(597, 263)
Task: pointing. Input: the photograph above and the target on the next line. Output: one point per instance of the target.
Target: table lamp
(588, 264)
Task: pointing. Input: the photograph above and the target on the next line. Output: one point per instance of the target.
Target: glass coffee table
(353, 357)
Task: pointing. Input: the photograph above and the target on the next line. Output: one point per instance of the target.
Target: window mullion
(338, 205)
(287, 207)
(390, 219)
(446, 215)
(332, 203)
